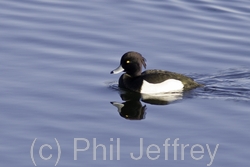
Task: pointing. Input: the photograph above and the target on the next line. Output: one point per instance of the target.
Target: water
(55, 83)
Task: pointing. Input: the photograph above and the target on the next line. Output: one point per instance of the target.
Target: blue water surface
(56, 89)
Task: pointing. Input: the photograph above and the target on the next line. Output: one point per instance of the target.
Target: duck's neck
(134, 74)
(134, 70)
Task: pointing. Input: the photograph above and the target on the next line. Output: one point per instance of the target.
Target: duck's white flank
(170, 85)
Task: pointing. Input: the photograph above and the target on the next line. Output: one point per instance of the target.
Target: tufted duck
(149, 81)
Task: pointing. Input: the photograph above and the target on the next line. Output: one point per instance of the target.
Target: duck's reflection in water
(133, 109)
(161, 99)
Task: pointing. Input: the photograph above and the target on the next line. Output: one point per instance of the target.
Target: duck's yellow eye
(127, 61)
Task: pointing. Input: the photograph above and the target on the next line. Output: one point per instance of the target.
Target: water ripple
(231, 84)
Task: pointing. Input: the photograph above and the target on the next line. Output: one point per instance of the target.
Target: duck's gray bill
(117, 70)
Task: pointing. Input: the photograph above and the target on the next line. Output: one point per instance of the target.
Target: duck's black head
(131, 63)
